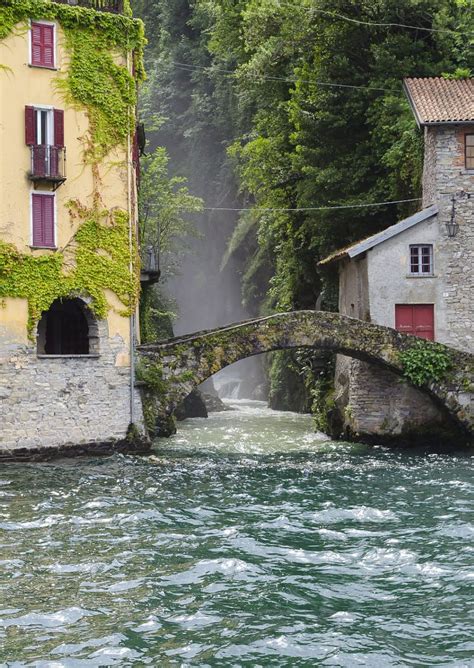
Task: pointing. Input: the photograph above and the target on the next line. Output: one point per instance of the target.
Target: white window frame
(55, 50)
(420, 273)
(50, 110)
(55, 214)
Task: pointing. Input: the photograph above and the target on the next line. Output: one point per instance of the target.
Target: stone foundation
(136, 446)
(65, 403)
(376, 406)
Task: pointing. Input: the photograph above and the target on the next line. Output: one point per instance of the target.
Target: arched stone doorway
(68, 328)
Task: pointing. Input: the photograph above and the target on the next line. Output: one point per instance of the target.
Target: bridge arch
(185, 362)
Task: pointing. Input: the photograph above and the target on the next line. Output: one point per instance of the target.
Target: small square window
(421, 260)
(42, 45)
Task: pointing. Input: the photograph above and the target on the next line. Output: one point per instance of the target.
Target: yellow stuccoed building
(69, 267)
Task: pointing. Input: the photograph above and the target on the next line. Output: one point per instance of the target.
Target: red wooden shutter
(48, 46)
(42, 45)
(404, 318)
(30, 126)
(37, 214)
(48, 221)
(59, 128)
(36, 44)
(43, 220)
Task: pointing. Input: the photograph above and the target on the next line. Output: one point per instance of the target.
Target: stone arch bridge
(171, 369)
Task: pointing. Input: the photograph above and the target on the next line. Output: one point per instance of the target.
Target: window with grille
(469, 145)
(421, 260)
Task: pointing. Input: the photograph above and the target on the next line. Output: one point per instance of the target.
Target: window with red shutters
(44, 133)
(42, 215)
(42, 45)
(41, 128)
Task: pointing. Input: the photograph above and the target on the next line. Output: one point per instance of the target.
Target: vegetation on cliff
(285, 108)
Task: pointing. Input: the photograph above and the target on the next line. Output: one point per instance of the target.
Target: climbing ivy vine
(94, 79)
(101, 259)
(424, 363)
(100, 254)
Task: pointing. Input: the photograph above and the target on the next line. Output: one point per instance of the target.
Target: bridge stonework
(171, 369)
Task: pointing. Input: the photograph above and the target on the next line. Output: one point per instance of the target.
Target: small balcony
(150, 270)
(48, 163)
(113, 6)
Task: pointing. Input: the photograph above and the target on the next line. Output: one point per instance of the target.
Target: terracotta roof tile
(437, 100)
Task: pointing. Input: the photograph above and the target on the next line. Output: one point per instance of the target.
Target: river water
(245, 540)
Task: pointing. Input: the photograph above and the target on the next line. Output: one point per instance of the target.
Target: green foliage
(322, 394)
(152, 375)
(94, 80)
(97, 258)
(164, 202)
(459, 73)
(105, 89)
(425, 363)
(156, 387)
(156, 315)
(292, 376)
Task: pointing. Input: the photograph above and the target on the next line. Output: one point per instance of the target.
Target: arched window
(67, 328)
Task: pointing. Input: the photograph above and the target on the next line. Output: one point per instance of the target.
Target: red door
(416, 319)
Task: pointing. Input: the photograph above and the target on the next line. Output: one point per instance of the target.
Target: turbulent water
(246, 540)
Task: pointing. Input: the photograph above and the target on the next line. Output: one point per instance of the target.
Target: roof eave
(390, 232)
(466, 122)
(419, 122)
(336, 257)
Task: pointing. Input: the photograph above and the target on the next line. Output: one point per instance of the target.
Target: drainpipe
(130, 242)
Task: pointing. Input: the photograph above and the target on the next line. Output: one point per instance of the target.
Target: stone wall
(56, 401)
(447, 178)
(376, 404)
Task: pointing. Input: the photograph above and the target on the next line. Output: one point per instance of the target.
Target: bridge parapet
(173, 368)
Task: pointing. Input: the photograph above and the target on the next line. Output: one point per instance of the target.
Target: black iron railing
(114, 6)
(48, 163)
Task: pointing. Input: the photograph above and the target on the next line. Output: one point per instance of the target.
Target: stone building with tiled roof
(418, 275)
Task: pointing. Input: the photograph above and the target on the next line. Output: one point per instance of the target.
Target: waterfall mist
(208, 297)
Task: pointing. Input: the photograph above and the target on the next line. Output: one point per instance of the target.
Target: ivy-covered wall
(99, 65)
(43, 279)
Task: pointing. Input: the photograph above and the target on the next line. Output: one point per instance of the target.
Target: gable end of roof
(366, 244)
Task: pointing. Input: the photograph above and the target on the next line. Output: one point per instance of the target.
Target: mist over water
(245, 540)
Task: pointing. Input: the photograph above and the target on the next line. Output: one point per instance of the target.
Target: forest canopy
(301, 102)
